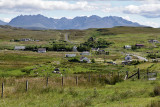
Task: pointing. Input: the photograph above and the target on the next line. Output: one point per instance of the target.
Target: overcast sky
(146, 12)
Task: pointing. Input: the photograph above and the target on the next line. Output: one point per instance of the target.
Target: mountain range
(42, 22)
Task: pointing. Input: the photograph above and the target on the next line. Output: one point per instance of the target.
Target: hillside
(29, 77)
(40, 21)
(2, 23)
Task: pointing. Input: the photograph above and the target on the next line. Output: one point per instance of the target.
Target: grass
(125, 93)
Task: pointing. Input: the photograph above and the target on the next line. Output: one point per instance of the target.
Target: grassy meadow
(106, 86)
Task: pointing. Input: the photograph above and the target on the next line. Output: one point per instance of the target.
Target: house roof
(139, 45)
(19, 47)
(41, 49)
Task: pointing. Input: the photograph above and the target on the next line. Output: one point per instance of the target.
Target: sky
(145, 12)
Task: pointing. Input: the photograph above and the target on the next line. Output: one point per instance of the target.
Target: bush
(154, 104)
(26, 70)
(74, 60)
(135, 62)
(113, 80)
(93, 60)
(156, 90)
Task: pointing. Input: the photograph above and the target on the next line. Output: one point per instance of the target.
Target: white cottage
(70, 55)
(128, 47)
(41, 50)
(19, 48)
(85, 59)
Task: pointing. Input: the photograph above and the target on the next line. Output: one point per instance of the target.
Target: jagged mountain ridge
(40, 21)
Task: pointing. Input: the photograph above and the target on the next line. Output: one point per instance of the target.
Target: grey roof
(19, 47)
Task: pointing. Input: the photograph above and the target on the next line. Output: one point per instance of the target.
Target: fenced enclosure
(25, 84)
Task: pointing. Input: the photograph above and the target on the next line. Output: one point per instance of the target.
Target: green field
(106, 91)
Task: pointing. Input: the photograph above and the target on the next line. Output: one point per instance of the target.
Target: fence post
(2, 89)
(99, 76)
(77, 80)
(147, 74)
(62, 81)
(138, 74)
(89, 78)
(112, 74)
(127, 74)
(118, 74)
(47, 81)
(26, 85)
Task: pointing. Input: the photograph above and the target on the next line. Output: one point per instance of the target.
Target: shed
(139, 45)
(41, 50)
(70, 55)
(153, 41)
(19, 48)
(128, 47)
(85, 53)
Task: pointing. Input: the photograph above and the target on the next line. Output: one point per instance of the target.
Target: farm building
(85, 53)
(153, 41)
(26, 39)
(41, 50)
(128, 47)
(85, 59)
(101, 52)
(139, 45)
(19, 48)
(70, 55)
(95, 49)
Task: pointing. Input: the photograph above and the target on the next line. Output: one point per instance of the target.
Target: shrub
(113, 80)
(154, 104)
(26, 70)
(74, 60)
(156, 90)
(93, 60)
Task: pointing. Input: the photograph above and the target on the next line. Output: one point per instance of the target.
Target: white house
(70, 55)
(19, 48)
(153, 41)
(41, 50)
(74, 49)
(128, 47)
(85, 59)
(85, 53)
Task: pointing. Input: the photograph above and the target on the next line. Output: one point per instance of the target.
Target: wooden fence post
(127, 74)
(99, 76)
(26, 85)
(138, 74)
(47, 81)
(62, 81)
(77, 80)
(89, 78)
(2, 89)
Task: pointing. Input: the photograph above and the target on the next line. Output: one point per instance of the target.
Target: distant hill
(2, 23)
(42, 22)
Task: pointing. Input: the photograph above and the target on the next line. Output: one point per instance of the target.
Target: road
(66, 38)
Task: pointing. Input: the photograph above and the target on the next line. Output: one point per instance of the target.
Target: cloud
(146, 10)
(6, 19)
(41, 5)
